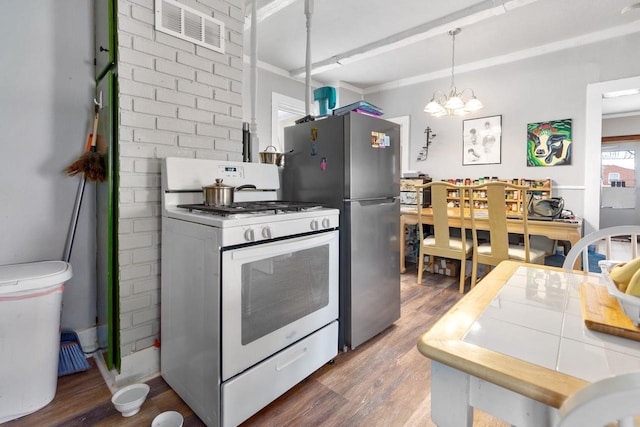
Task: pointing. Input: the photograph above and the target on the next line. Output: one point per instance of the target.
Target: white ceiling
(373, 44)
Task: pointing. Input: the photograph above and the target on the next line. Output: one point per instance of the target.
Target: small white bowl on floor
(168, 419)
(129, 399)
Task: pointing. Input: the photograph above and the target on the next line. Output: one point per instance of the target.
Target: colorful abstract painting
(549, 143)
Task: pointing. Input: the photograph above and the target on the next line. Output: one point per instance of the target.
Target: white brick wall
(176, 99)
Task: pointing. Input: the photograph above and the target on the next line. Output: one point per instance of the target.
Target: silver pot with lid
(220, 194)
(269, 157)
(273, 157)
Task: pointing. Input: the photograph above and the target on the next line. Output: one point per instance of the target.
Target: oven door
(274, 294)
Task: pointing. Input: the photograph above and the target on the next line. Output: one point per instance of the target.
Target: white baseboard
(137, 367)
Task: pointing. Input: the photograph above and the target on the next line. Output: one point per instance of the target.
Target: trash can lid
(33, 276)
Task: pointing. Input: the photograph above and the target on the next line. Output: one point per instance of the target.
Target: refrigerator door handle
(374, 200)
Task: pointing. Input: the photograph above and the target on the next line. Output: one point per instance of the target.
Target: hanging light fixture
(454, 103)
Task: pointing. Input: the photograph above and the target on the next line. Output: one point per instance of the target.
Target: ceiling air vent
(189, 24)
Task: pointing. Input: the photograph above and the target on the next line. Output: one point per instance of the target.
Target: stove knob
(249, 235)
(266, 232)
(326, 223)
(314, 224)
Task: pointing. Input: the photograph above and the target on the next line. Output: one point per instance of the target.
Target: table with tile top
(516, 347)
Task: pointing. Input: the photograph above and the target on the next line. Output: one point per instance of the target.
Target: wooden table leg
(573, 239)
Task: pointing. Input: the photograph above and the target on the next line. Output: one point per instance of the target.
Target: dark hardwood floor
(384, 382)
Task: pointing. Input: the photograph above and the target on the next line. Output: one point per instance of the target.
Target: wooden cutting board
(602, 313)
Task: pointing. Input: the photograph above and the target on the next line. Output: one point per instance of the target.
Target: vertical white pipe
(253, 63)
(308, 11)
(254, 77)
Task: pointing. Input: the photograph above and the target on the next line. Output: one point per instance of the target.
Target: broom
(71, 358)
(91, 162)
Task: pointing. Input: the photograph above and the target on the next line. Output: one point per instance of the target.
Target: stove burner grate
(276, 206)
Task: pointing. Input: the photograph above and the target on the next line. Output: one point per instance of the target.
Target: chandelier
(454, 103)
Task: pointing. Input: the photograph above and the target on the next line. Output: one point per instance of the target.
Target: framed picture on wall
(549, 143)
(482, 141)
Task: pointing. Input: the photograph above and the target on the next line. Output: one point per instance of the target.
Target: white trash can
(30, 308)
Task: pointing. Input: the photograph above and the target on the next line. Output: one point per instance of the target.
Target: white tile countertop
(541, 310)
(519, 338)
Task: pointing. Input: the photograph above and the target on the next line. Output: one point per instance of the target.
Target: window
(618, 178)
(614, 176)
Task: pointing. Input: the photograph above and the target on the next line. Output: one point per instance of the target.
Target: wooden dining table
(569, 230)
(517, 346)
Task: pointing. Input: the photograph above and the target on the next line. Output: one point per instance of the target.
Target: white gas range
(249, 294)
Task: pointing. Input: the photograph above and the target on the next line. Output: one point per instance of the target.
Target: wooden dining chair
(610, 401)
(488, 202)
(447, 203)
(589, 258)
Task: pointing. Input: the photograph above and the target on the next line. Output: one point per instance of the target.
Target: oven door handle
(284, 247)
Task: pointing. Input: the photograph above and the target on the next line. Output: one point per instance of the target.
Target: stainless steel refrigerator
(352, 163)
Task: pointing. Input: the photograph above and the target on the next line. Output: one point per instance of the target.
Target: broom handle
(74, 219)
(94, 138)
(79, 193)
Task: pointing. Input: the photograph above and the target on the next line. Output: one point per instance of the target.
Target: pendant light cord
(453, 33)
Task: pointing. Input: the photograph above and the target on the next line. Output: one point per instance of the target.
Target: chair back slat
(496, 213)
(447, 202)
(440, 210)
(498, 235)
